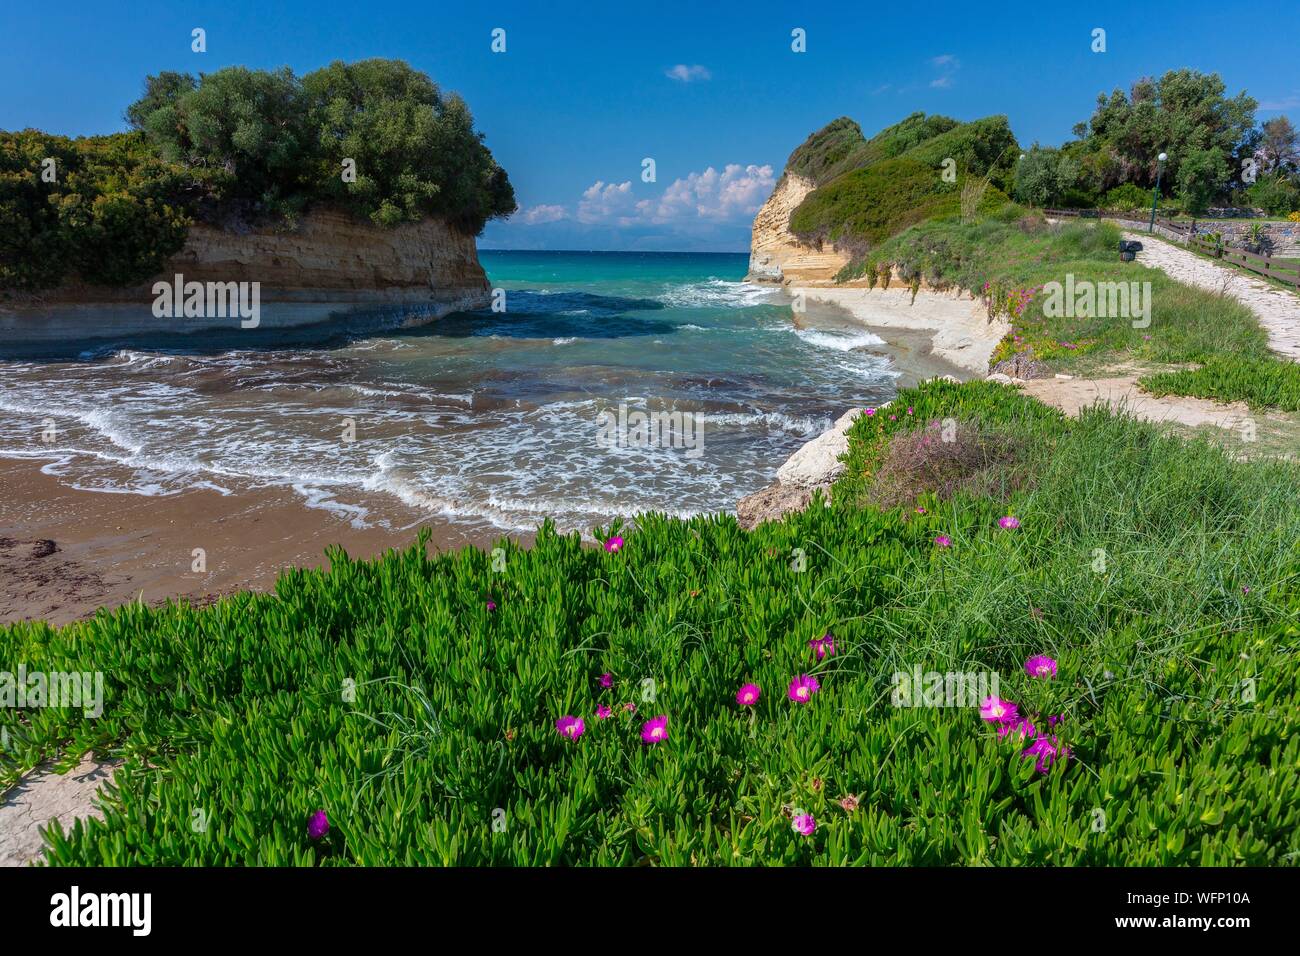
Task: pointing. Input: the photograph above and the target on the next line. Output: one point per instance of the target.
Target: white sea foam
(840, 342)
(718, 293)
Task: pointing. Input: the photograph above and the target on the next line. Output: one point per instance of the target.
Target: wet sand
(65, 553)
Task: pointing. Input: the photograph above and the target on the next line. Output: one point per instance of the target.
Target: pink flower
(943, 541)
(614, 545)
(802, 688)
(1054, 719)
(870, 412)
(655, 729)
(570, 727)
(491, 605)
(920, 510)
(909, 409)
(1045, 750)
(1244, 589)
(823, 645)
(849, 803)
(318, 824)
(805, 824)
(602, 712)
(606, 680)
(748, 695)
(630, 707)
(1022, 728)
(1010, 522)
(998, 711)
(1040, 666)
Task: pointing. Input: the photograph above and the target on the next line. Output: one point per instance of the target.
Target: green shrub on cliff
(839, 147)
(106, 209)
(375, 137)
(239, 146)
(896, 179)
(865, 207)
(415, 148)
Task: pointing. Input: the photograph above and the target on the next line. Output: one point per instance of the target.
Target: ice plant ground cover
(1158, 575)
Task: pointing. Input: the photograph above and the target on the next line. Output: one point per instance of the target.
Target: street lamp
(1155, 195)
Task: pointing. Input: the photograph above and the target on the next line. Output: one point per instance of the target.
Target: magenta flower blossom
(748, 695)
(1045, 751)
(1021, 728)
(1040, 665)
(823, 645)
(614, 545)
(606, 680)
(802, 688)
(570, 727)
(943, 541)
(318, 824)
(602, 712)
(630, 707)
(655, 729)
(998, 711)
(805, 824)
(1245, 589)
(919, 509)
(870, 412)
(1054, 719)
(1010, 522)
(491, 605)
(909, 409)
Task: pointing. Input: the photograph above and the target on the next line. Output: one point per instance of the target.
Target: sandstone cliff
(330, 257)
(775, 254)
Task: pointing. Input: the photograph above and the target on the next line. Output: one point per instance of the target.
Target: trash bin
(1128, 250)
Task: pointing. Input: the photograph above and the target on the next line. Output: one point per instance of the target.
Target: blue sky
(712, 92)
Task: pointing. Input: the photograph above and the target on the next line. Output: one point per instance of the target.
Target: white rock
(817, 462)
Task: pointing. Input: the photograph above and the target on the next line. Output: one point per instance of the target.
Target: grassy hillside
(1010, 256)
(869, 190)
(1159, 575)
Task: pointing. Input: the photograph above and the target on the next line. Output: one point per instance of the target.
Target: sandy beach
(960, 331)
(64, 553)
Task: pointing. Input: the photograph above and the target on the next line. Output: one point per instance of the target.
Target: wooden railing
(1286, 271)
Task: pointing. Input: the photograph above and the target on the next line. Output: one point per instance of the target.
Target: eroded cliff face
(330, 257)
(775, 255)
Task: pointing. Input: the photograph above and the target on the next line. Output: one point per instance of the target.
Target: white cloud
(709, 210)
(607, 202)
(688, 74)
(1289, 102)
(732, 195)
(735, 193)
(947, 65)
(537, 215)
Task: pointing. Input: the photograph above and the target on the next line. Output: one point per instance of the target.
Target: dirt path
(1278, 311)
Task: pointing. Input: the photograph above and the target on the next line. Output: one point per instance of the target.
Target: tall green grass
(241, 710)
(1260, 382)
(1014, 252)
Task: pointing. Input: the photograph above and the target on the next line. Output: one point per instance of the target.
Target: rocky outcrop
(330, 257)
(776, 255)
(814, 467)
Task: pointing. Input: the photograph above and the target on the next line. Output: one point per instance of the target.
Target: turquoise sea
(486, 417)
